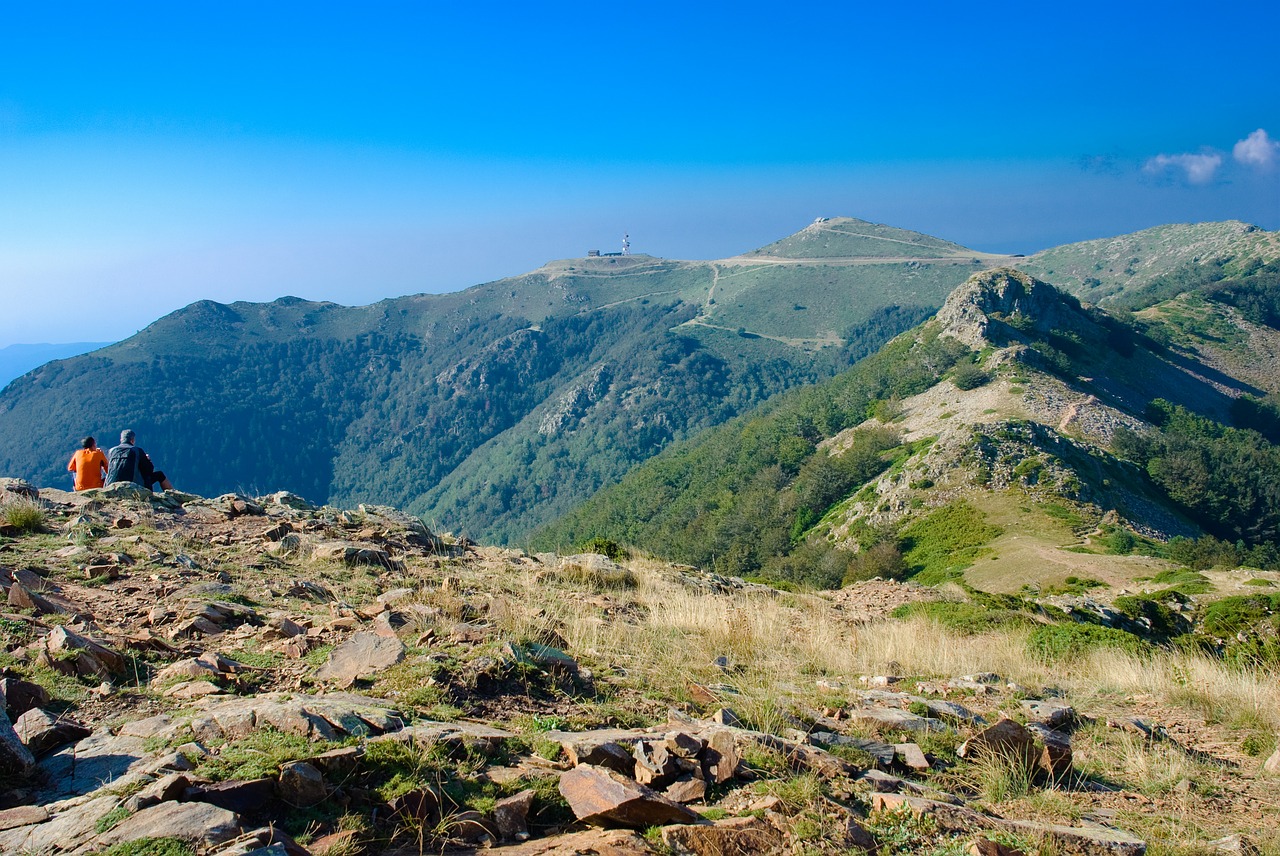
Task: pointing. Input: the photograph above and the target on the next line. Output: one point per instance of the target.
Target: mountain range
(498, 409)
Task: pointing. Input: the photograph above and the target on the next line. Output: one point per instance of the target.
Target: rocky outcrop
(1012, 301)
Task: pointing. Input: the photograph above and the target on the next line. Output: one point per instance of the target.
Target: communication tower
(626, 245)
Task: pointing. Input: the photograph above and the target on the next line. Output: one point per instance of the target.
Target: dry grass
(24, 515)
(778, 644)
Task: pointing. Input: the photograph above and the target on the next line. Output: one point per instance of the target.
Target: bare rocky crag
(156, 645)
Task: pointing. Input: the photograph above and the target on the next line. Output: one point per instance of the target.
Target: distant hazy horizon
(158, 155)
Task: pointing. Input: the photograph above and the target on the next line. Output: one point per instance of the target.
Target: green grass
(941, 545)
(259, 755)
(1072, 585)
(151, 847)
(1184, 580)
(111, 819)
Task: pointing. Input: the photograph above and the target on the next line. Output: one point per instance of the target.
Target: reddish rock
(420, 805)
(986, 847)
(71, 653)
(949, 818)
(683, 744)
(19, 696)
(1054, 757)
(1007, 738)
(720, 758)
(601, 842)
(911, 755)
(686, 789)
(603, 797)
(654, 765)
(472, 827)
(245, 797)
(735, 836)
(42, 731)
(337, 842)
(23, 815)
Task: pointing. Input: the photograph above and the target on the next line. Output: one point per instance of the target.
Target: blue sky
(155, 154)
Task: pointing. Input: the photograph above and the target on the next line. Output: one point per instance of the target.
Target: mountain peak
(1004, 294)
(850, 238)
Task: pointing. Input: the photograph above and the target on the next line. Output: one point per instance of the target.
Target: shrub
(969, 376)
(879, 560)
(606, 547)
(1153, 611)
(1056, 643)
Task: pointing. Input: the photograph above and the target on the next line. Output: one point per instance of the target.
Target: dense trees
(1227, 478)
(739, 499)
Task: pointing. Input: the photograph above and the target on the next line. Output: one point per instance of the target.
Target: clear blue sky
(154, 154)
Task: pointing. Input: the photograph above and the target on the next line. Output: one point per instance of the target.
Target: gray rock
(301, 785)
(1051, 712)
(151, 726)
(199, 823)
(1087, 840)
(19, 487)
(894, 718)
(15, 757)
(324, 716)
(361, 655)
(512, 815)
(73, 821)
(23, 815)
(99, 759)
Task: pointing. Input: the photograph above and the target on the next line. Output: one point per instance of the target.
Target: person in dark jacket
(128, 463)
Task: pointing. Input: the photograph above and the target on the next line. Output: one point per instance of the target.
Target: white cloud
(1257, 150)
(1198, 169)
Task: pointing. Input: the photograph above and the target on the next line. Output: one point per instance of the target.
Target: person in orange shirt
(88, 464)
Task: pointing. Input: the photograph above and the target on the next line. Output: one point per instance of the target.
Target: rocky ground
(259, 675)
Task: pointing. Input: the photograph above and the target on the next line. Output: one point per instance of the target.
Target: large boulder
(198, 823)
(362, 655)
(604, 798)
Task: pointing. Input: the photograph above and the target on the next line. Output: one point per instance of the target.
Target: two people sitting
(124, 463)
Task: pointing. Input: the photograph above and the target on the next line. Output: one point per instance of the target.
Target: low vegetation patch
(967, 619)
(1061, 643)
(151, 847)
(258, 755)
(939, 546)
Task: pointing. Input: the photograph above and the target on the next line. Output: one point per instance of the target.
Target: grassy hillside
(918, 461)
(490, 410)
(1104, 270)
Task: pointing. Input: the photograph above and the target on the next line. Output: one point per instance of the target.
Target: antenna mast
(626, 245)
